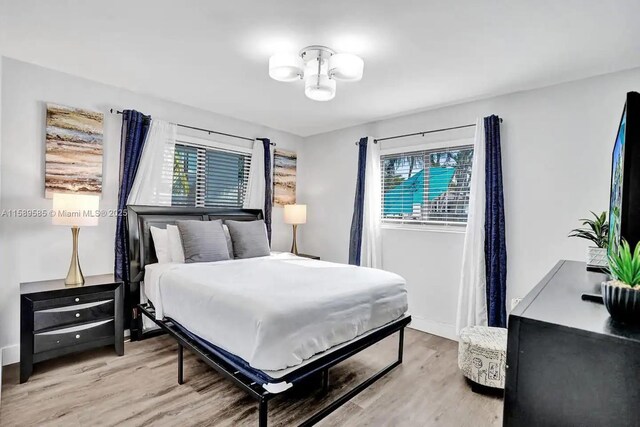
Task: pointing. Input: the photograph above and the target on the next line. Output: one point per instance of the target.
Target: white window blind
(208, 177)
(427, 186)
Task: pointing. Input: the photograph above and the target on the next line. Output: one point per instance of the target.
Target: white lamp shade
(344, 66)
(285, 67)
(295, 214)
(319, 88)
(75, 209)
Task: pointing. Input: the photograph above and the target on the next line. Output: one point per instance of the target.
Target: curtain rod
(204, 130)
(423, 133)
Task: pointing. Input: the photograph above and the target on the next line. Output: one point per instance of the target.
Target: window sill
(427, 228)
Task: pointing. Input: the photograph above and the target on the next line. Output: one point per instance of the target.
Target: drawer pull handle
(77, 299)
(74, 329)
(80, 306)
(77, 314)
(77, 336)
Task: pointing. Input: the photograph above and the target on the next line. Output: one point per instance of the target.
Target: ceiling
(419, 54)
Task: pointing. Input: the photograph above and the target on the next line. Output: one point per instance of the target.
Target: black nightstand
(56, 320)
(309, 256)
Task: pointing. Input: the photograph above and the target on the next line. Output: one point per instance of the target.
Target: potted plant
(621, 295)
(597, 231)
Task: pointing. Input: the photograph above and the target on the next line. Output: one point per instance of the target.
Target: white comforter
(276, 311)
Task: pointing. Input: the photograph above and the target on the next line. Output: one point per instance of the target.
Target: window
(427, 186)
(207, 176)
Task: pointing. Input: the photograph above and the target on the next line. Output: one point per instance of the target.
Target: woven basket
(597, 257)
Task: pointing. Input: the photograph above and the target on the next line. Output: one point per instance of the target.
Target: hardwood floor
(140, 388)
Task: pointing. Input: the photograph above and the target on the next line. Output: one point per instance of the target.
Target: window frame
(207, 144)
(210, 143)
(430, 226)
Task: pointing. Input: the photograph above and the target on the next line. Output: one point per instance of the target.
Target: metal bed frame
(319, 366)
(140, 218)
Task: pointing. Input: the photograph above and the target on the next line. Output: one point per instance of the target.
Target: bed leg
(325, 380)
(180, 364)
(400, 345)
(263, 408)
(138, 325)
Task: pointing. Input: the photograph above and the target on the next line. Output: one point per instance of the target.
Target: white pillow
(161, 243)
(175, 244)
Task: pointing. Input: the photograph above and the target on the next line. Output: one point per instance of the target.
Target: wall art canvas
(284, 178)
(73, 159)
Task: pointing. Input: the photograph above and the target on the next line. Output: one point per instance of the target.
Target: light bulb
(344, 66)
(285, 67)
(319, 87)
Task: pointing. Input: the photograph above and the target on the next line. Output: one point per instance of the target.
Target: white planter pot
(596, 257)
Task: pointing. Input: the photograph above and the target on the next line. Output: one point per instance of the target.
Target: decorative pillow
(175, 244)
(203, 241)
(160, 238)
(249, 238)
(228, 237)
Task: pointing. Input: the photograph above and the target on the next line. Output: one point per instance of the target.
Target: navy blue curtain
(268, 189)
(494, 245)
(355, 238)
(135, 126)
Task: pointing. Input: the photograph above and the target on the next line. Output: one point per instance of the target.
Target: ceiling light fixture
(320, 67)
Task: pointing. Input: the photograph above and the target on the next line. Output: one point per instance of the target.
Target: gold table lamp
(295, 215)
(75, 210)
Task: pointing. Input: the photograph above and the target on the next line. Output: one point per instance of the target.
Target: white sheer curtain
(472, 302)
(153, 183)
(254, 199)
(371, 255)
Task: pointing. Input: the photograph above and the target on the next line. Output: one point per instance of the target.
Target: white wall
(2, 243)
(556, 147)
(39, 250)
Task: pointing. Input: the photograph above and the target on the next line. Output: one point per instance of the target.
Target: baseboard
(10, 354)
(440, 329)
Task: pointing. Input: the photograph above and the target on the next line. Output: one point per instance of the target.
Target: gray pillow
(249, 238)
(203, 241)
(228, 237)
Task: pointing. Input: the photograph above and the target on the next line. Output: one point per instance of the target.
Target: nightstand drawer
(72, 300)
(67, 315)
(45, 341)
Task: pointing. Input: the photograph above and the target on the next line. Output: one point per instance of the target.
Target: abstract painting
(284, 178)
(73, 159)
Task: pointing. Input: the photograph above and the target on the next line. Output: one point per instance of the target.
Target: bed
(266, 323)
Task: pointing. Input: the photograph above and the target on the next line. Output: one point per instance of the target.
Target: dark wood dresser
(568, 363)
(56, 320)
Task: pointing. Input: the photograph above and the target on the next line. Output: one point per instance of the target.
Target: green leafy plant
(595, 230)
(624, 266)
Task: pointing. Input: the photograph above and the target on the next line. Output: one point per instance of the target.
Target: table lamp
(295, 215)
(75, 210)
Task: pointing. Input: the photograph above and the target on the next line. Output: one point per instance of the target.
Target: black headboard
(140, 218)
(142, 251)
